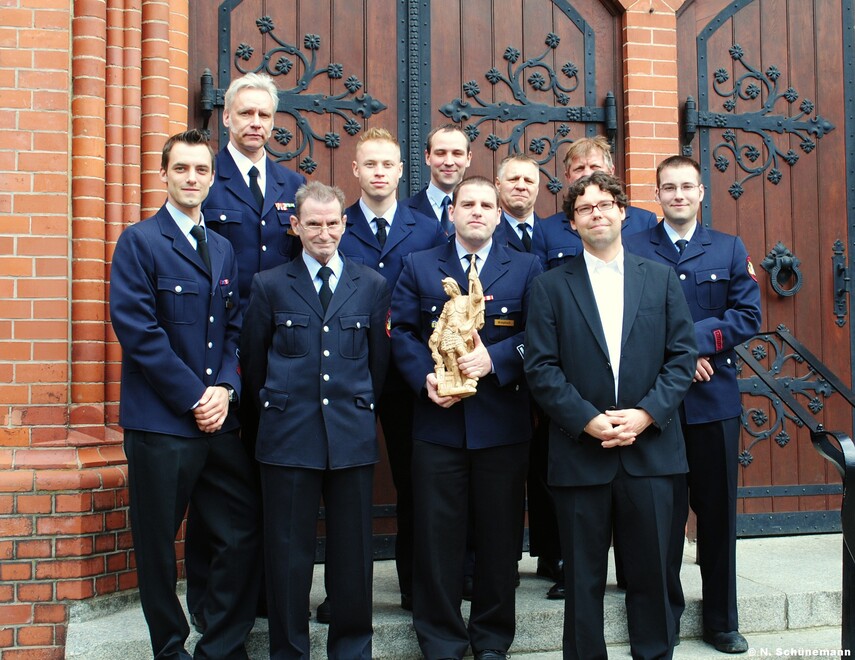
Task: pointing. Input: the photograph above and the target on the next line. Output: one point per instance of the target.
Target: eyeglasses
(685, 188)
(588, 209)
(333, 227)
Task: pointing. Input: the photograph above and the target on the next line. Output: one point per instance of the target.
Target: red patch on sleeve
(719, 340)
(750, 267)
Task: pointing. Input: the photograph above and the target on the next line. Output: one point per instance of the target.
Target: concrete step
(789, 599)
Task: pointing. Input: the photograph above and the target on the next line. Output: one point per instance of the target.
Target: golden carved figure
(453, 335)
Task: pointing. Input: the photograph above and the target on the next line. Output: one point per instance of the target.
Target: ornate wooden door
(520, 75)
(766, 115)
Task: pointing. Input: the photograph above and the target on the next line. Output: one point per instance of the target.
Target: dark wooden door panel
(765, 76)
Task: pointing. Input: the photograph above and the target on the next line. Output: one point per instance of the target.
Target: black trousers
(543, 539)
(640, 510)
(292, 497)
(713, 451)
(448, 484)
(165, 473)
(197, 542)
(395, 410)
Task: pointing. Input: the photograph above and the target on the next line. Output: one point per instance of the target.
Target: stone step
(789, 593)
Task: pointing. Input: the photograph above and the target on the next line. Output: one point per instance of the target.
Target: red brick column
(651, 103)
(72, 122)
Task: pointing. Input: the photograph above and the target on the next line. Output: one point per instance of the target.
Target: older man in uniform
(314, 349)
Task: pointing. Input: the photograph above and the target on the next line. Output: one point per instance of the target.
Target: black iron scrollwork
(783, 268)
(771, 354)
(521, 76)
(751, 86)
(279, 62)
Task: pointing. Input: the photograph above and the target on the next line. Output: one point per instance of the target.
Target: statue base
(461, 390)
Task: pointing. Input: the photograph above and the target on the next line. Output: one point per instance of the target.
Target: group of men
(265, 328)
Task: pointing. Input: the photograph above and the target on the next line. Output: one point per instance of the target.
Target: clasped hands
(212, 409)
(618, 428)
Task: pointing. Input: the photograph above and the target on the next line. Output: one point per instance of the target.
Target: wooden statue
(452, 336)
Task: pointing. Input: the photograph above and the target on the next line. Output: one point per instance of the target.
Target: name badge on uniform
(507, 323)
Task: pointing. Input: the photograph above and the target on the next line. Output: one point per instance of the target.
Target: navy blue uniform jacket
(507, 233)
(554, 242)
(568, 370)
(178, 326)
(316, 376)
(724, 299)
(499, 413)
(421, 203)
(410, 232)
(230, 211)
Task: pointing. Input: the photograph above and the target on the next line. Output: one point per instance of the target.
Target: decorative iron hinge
(759, 90)
(528, 80)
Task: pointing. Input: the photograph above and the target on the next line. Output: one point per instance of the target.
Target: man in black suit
(469, 455)
(610, 355)
(314, 351)
(448, 154)
(251, 203)
(380, 234)
(174, 308)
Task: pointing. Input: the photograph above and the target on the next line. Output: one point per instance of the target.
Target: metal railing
(835, 446)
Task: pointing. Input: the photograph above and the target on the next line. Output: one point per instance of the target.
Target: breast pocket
(291, 337)
(431, 311)
(711, 287)
(353, 339)
(177, 300)
(504, 319)
(227, 223)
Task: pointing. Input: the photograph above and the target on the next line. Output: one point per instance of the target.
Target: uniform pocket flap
(272, 399)
(177, 285)
(291, 319)
(355, 322)
(364, 400)
(712, 275)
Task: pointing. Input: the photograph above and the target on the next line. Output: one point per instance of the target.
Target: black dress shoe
(407, 602)
(468, 587)
(726, 642)
(550, 569)
(490, 654)
(324, 612)
(556, 591)
(197, 620)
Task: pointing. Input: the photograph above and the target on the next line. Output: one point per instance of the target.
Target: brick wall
(81, 83)
(88, 92)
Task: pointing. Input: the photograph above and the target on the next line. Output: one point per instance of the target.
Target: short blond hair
(583, 146)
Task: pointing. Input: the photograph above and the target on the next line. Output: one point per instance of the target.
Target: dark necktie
(198, 232)
(681, 245)
(381, 230)
(526, 239)
(325, 292)
(447, 225)
(255, 188)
